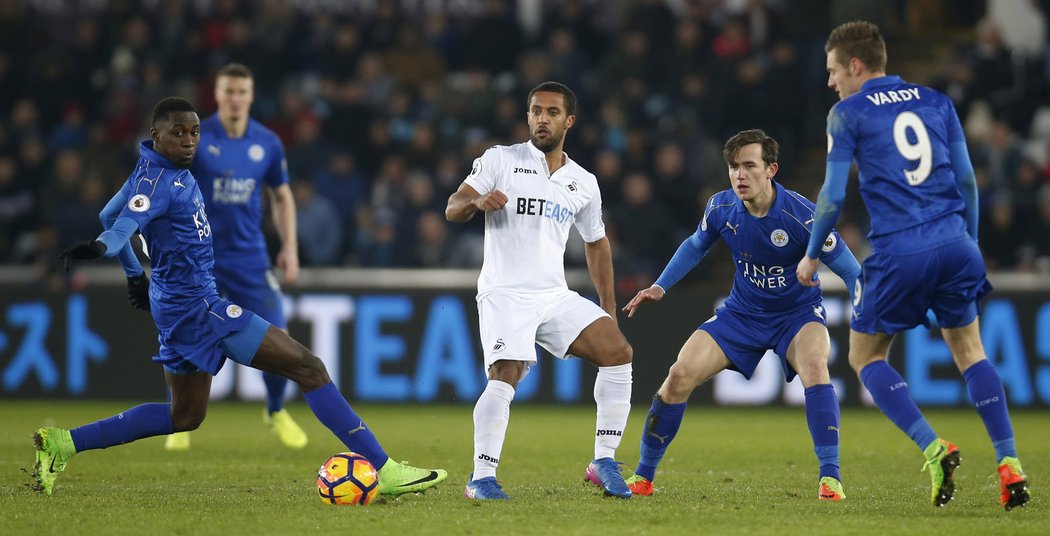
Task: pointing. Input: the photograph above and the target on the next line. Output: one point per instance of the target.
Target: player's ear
(773, 168)
(154, 134)
(856, 67)
(570, 121)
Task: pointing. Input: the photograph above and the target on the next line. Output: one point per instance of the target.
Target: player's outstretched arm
(685, 258)
(82, 250)
(466, 201)
(653, 293)
(829, 205)
(126, 254)
(106, 245)
(806, 272)
(847, 268)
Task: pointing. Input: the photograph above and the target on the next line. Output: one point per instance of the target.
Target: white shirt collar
(534, 151)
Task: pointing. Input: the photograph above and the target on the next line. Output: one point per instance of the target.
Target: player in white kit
(531, 193)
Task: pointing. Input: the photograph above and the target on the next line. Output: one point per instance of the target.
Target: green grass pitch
(730, 470)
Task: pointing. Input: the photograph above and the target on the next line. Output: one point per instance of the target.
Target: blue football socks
(822, 415)
(335, 413)
(890, 393)
(987, 395)
(275, 387)
(146, 420)
(661, 425)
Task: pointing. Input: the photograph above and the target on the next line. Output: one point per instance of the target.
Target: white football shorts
(513, 324)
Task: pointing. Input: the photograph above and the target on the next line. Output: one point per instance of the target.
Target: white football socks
(491, 415)
(612, 393)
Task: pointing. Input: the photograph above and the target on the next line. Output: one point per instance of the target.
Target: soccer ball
(347, 478)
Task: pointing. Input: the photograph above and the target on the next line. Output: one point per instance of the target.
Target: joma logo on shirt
(525, 171)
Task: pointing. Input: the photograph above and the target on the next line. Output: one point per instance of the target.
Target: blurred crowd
(383, 105)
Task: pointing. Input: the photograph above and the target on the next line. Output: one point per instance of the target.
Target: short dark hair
(556, 87)
(168, 105)
(770, 147)
(234, 70)
(858, 39)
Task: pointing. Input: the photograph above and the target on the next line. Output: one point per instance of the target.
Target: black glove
(138, 291)
(85, 249)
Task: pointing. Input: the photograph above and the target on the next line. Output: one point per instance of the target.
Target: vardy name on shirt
(889, 97)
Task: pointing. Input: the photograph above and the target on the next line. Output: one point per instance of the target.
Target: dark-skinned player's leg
(188, 406)
(189, 399)
(603, 344)
(280, 354)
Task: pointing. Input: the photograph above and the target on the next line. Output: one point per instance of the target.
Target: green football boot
(398, 478)
(639, 485)
(282, 424)
(177, 441)
(1013, 484)
(942, 458)
(830, 489)
(54, 447)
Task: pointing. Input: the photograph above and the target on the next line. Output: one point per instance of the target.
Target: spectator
(1039, 236)
(407, 95)
(18, 206)
(342, 184)
(319, 231)
(1000, 237)
(431, 246)
(644, 227)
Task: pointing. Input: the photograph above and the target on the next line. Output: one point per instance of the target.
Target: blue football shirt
(168, 207)
(899, 134)
(766, 250)
(231, 172)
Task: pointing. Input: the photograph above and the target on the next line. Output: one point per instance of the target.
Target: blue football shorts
(201, 339)
(256, 290)
(745, 337)
(894, 291)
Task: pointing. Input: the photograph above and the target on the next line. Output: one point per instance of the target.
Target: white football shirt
(525, 240)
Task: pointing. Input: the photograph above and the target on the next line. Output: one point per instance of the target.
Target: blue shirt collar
(778, 201)
(146, 151)
(888, 80)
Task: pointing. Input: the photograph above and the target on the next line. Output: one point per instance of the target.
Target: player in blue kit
(240, 157)
(766, 227)
(197, 329)
(919, 186)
